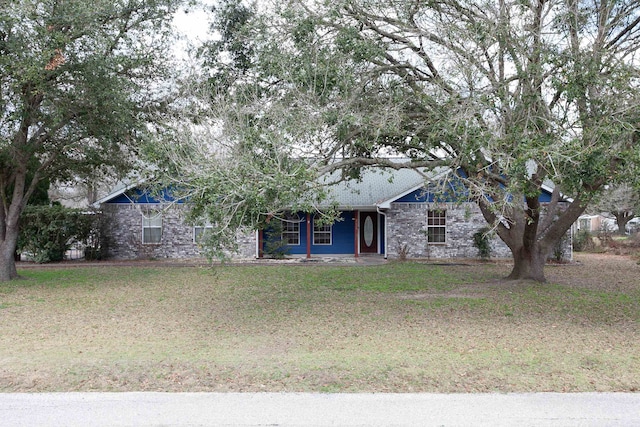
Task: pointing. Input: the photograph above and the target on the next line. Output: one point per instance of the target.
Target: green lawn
(398, 327)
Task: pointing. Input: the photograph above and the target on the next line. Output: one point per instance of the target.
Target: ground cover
(398, 327)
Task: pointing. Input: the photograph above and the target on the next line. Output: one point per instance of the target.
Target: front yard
(399, 327)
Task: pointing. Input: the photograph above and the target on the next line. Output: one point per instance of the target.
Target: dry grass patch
(396, 327)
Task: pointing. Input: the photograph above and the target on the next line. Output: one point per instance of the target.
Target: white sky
(193, 24)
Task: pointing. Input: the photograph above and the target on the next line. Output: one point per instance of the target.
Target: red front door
(368, 232)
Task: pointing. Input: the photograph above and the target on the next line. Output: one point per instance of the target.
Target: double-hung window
(436, 226)
(321, 233)
(291, 230)
(199, 232)
(151, 228)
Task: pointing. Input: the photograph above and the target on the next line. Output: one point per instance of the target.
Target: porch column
(356, 232)
(308, 235)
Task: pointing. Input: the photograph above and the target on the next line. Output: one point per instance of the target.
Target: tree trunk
(528, 264)
(622, 218)
(7, 256)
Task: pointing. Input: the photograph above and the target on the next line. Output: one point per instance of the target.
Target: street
(306, 409)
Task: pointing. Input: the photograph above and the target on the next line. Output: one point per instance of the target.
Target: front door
(369, 232)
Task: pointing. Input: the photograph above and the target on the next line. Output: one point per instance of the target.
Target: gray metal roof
(374, 187)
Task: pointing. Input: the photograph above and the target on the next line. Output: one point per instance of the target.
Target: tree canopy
(511, 95)
(78, 82)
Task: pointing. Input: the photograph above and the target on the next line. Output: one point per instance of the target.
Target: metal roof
(374, 187)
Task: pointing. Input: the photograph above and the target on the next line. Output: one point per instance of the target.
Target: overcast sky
(193, 24)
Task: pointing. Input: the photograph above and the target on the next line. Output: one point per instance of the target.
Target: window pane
(152, 228)
(322, 234)
(436, 226)
(199, 231)
(436, 235)
(152, 221)
(291, 232)
(151, 235)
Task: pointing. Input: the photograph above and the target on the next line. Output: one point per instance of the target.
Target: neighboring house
(385, 213)
(594, 224)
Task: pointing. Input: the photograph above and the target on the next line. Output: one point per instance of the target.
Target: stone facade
(407, 230)
(125, 233)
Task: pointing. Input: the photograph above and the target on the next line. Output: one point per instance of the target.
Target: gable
(139, 196)
(423, 195)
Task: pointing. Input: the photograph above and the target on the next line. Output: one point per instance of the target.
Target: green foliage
(230, 23)
(582, 241)
(274, 245)
(505, 93)
(47, 232)
(560, 249)
(482, 242)
(80, 82)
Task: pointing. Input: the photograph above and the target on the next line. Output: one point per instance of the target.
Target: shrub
(582, 241)
(274, 245)
(482, 242)
(403, 251)
(46, 232)
(559, 251)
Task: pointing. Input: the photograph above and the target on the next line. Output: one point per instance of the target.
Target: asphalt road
(306, 409)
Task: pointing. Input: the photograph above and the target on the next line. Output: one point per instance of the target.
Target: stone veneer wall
(125, 234)
(407, 226)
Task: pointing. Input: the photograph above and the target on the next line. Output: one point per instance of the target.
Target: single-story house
(386, 213)
(594, 223)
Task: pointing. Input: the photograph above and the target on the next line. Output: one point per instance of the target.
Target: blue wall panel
(342, 237)
(137, 195)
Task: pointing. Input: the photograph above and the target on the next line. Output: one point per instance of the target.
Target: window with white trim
(199, 232)
(321, 233)
(291, 230)
(151, 228)
(436, 226)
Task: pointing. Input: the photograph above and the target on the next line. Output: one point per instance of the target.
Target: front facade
(386, 214)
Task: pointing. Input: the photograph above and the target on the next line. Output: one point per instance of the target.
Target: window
(151, 228)
(436, 226)
(321, 233)
(291, 230)
(584, 224)
(198, 232)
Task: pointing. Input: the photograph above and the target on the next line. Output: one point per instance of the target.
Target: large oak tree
(78, 80)
(514, 95)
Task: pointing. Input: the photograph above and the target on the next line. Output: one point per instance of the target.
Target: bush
(47, 232)
(582, 241)
(274, 246)
(482, 242)
(559, 251)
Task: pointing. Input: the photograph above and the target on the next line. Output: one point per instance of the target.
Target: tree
(622, 201)
(78, 81)
(510, 95)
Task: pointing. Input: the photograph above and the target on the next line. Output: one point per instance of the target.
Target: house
(594, 224)
(386, 213)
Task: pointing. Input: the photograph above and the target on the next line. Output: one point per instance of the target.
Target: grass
(398, 327)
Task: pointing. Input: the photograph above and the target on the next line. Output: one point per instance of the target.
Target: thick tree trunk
(528, 264)
(7, 256)
(622, 218)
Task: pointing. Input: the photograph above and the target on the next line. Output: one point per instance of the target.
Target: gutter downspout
(386, 248)
(356, 233)
(308, 235)
(259, 238)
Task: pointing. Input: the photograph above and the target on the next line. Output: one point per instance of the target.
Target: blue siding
(423, 196)
(342, 237)
(137, 195)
